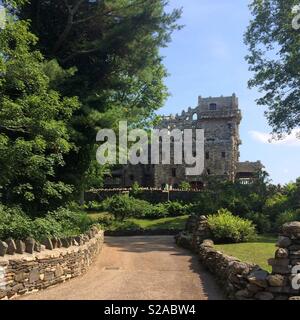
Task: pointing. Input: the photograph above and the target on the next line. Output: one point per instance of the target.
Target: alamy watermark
(154, 147)
(296, 18)
(296, 277)
(2, 278)
(2, 17)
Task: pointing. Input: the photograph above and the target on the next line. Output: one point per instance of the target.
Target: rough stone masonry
(220, 119)
(244, 281)
(35, 267)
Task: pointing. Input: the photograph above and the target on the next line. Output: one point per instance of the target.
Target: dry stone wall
(38, 268)
(244, 281)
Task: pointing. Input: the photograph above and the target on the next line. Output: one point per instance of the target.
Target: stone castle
(220, 118)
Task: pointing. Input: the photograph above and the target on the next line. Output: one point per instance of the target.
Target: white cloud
(292, 140)
(219, 49)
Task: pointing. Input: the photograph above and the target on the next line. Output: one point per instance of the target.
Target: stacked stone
(244, 281)
(30, 245)
(196, 231)
(201, 232)
(31, 273)
(286, 258)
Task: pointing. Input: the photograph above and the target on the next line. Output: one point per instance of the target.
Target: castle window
(223, 154)
(174, 172)
(206, 155)
(194, 154)
(213, 107)
(195, 117)
(208, 171)
(229, 126)
(131, 177)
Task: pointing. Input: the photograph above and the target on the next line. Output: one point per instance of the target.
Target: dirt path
(138, 268)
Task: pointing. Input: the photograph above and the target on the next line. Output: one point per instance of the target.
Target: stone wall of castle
(220, 118)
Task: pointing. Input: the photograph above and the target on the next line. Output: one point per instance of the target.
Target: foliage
(276, 204)
(14, 223)
(287, 216)
(135, 189)
(261, 221)
(124, 206)
(185, 186)
(119, 205)
(60, 223)
(157, 211)
(226, 227)
(72, 222)
(114, 48)
(93, 206)
(34, 136)
(176, 208)
(274, 60)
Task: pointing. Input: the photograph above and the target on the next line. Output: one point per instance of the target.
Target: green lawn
(257, 252)
(133, 223)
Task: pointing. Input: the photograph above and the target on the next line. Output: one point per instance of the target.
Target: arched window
(195, 117)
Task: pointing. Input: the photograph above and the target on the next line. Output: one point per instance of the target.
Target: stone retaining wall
(151, 195)
(27, 273)
(244, 281)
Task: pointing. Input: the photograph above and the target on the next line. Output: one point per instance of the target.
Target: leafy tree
(114, 46)
(274, 59)
(33, 133)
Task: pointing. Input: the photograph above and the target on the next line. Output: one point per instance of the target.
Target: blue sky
(206, 58)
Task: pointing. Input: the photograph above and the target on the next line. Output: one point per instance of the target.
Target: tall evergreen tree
(114, 46)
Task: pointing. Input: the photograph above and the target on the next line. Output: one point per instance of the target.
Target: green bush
(227, 228)
(185, 186)
(262, 222)
(62, 222)
(14, 223)
(287, 216)
(176, 209)
(121, 206)
(105, 220)
(46, 228)
(72, 222)
(157, 211)
(93, 206)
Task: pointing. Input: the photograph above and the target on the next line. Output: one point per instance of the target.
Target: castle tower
(220, 118)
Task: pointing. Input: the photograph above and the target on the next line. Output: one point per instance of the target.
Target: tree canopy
(274, 59)
(34, 135)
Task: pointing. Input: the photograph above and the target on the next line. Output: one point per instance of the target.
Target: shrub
(157, 212)
(227, 228)
(262, 222)
(176, 208)
(14, 223)
(46, 227)
(287, 216)
(93, 206)
(105, 219)
(135, 189)
(120, 206)
(71, 222)
(185, 186)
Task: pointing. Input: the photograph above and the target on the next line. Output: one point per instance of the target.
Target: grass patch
(147, 224)
(258, 251)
